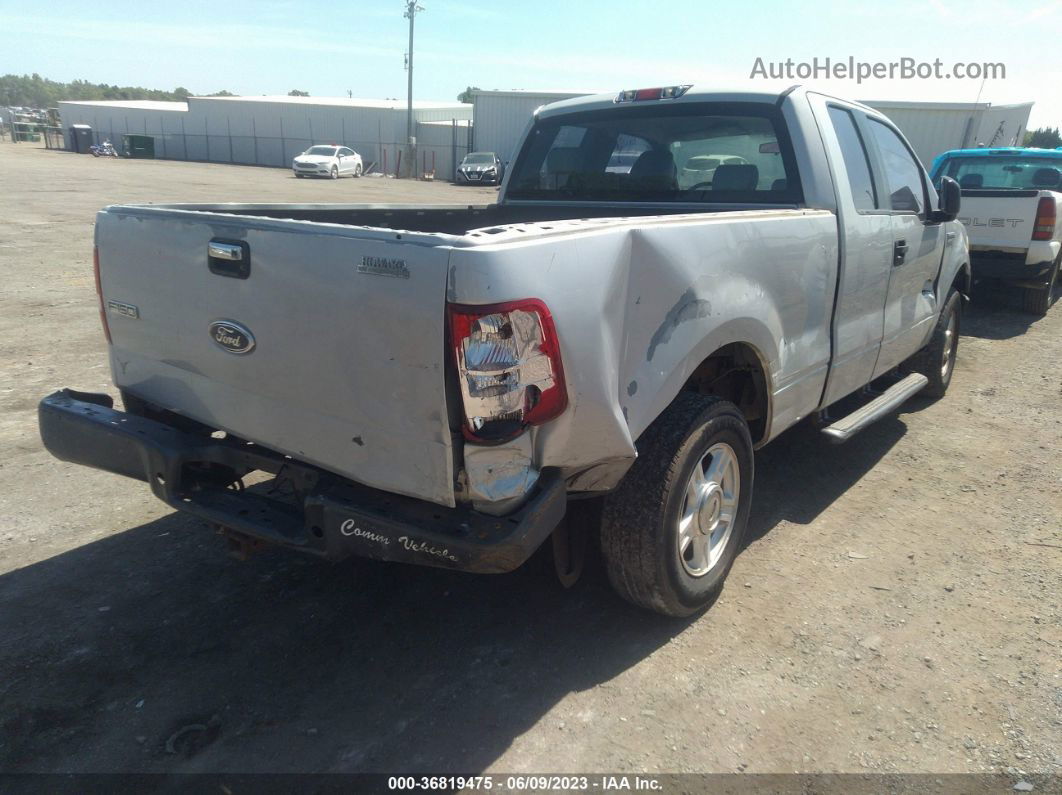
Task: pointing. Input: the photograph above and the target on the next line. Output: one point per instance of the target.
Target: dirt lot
(897, 609)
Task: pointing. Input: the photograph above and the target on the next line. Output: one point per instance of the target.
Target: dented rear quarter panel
(639, 303)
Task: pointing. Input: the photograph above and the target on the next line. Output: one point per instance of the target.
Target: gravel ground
(897, 608)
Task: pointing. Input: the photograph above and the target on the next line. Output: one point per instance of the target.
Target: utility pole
(412, 7)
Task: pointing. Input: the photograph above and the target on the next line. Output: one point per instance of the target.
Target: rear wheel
(671, 530)
(936, 361)
(1037, 300)
(357, 171)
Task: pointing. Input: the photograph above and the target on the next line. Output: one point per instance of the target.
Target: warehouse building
(270, 131)
(500, 118)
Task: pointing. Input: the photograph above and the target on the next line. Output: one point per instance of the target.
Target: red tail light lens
(1045, 219)
(99, 292)
(509, 365)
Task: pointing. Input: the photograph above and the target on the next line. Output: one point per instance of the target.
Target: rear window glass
(1004, 172)
(703, 152)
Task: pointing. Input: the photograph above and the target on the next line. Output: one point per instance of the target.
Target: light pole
(412, 7)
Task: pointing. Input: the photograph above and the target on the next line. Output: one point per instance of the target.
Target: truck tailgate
(999, 219)
(347, 366)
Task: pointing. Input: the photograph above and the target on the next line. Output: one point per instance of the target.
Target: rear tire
(1037, 301)
(936, 361)
(357, 171)
(672, 528)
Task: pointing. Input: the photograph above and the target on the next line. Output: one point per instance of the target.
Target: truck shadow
(801, 473)
(995, 313)
(152, 651)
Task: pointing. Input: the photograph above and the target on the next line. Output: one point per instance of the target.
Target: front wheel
(1037, 300)
(936, 361)
(672, 528)
(335, 172)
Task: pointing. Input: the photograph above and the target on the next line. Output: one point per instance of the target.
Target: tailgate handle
(230, 258)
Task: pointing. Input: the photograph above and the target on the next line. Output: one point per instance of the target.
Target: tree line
(1043, 137)
(35, 91)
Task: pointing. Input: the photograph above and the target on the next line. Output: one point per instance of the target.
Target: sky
(328, 49)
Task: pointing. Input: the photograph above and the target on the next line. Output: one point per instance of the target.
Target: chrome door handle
(227, 251)
(230, 258)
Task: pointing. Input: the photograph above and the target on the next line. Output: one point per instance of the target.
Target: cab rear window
(704, 152)
(1003, 172)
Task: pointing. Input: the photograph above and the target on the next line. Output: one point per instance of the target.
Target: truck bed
(455, 220)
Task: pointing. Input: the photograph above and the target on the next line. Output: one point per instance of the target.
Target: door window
(904, 175)
(855, 158)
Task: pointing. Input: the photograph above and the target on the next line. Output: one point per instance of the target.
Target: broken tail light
(99, 292)
(509, 366)
(1045, 219)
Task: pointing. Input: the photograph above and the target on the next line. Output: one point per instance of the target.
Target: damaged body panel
(640, 303)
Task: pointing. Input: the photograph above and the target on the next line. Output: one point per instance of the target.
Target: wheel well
(962, 281)
(736, 373)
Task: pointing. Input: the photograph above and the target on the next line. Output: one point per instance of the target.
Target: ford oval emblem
(232, 336)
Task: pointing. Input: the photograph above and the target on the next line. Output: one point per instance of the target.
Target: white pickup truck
(438, 385)
(1010, 207)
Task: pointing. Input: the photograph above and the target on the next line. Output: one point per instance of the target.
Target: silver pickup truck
(670, 279)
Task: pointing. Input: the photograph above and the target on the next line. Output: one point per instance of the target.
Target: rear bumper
(1011, 267)
(332, 517)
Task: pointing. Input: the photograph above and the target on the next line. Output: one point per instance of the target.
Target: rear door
(918, 245)
(866, 239)
(343, 365)
(346, 160)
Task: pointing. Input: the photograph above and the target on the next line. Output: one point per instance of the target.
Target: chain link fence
(447, 145)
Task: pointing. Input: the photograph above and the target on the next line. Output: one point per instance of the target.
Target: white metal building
(935, 127)
(501, 117)
(270, 131)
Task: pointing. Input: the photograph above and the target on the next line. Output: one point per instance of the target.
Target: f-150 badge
(384, 266)
(232, 336)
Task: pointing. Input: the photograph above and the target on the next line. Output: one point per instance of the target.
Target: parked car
(1011, 199)
(593, 335)
(327, 161)
(480, 168)
(701, 168)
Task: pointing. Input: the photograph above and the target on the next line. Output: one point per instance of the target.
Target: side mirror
(950, 199)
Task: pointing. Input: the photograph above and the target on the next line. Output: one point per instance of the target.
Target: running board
(847, 427)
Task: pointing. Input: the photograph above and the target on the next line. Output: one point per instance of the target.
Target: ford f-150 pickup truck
(438, 385)
(1010, 206)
